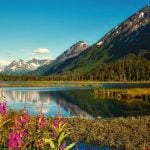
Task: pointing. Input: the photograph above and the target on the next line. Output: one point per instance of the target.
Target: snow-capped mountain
(37, 63)
(73, 51)
(22, 66)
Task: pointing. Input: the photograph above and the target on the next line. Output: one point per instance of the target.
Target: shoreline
(64, 83)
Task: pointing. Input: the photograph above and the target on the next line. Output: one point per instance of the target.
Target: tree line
(124, 69)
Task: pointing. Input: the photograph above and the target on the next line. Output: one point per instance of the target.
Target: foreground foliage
(19, 131)
(120, 133)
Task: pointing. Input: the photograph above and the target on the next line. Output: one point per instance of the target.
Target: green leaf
(50, 142)
(2, 124)
(1, 118)
(70, 146)
(61, 138)
(61, 127)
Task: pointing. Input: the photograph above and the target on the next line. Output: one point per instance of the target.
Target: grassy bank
(60, 83)
(49, 83)
(121, 133)
(143, 93)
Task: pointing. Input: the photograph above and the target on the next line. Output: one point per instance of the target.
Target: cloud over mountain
(41, 51)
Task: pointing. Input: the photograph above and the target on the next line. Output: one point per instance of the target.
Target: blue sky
(46, 28)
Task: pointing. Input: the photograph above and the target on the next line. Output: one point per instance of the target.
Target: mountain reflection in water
(34, 99)
(74, 102)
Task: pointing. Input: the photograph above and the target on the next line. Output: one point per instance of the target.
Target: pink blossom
(58, 121)
(24, 119)
(40, 121)
(55, 123)
(14, 140)
(3, 108)
(24, 133)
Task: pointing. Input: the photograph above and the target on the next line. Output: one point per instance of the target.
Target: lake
(75, 101)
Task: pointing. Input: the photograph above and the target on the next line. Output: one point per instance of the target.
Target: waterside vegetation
(133, 93)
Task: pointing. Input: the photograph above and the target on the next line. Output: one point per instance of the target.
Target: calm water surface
(73, 102)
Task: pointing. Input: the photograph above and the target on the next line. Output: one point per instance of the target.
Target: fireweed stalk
(40, 121)
(58, 125)
(24, 119)
(3, 104)
(57, 141)
(18, 136)
(14, 141)
(14, 138)
(3, 108)
(3, 120)
(19, 133)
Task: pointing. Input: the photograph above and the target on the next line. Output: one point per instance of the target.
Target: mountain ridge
(22, 67)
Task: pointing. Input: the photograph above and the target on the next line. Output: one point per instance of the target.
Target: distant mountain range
(23, 67)
(126, 45)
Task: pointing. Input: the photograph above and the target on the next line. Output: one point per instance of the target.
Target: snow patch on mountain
(22, 66)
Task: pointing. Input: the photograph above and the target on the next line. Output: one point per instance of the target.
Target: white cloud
(4, 62)
(41, 51)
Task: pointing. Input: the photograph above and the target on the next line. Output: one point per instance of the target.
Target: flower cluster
(20, 136)
(59, 134)
(19, 132)
(24, 118)
(14, 140)
(58, 120)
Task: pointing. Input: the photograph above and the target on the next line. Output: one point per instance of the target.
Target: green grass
(48, 83)
(124, 93)
(119, 134)
(59, 83)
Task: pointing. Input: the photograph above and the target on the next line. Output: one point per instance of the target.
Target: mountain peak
(73, 51)
(129, 30)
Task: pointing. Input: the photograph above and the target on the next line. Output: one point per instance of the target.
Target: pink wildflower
(3, 108)
(40, 121)
(58, 120)
(14, 140)
(24, 119)
(24, 133)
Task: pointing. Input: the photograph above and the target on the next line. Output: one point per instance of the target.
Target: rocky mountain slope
(73, 51)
